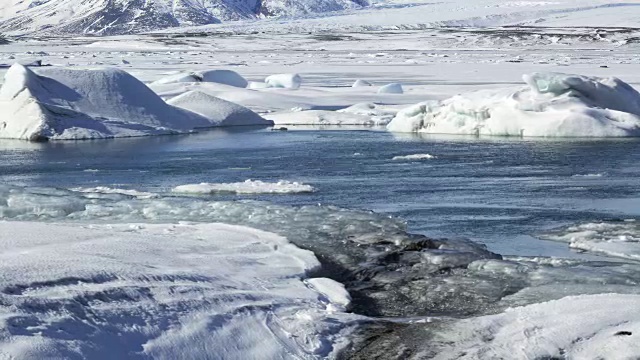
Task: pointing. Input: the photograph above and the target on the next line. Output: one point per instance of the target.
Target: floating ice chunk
(108, 190)
(246, 187)
(394, 88)
(287, 81)
(361, 83)
(414, 157)
(226, 77)
(552, 105)
(219, 112)
(587, 326)
(618, 239)
(59, 103)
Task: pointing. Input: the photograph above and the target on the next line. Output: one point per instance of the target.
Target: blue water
(498, 191)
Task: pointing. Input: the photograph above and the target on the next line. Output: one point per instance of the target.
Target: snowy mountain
(108, 17)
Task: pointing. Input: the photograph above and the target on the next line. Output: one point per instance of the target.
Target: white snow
(246, 187)
(286, 81)
(220, 112)
(602, 326)
(166, 291)
(393, 88)
(413, 157)
(551, 105)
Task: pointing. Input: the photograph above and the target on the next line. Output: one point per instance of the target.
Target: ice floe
(552, 105)
(246, 187)
(413, 157)
(618, 239)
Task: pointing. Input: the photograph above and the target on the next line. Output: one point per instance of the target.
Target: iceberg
(62, 104)
(551, 105)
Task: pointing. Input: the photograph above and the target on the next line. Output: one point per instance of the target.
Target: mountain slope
(108, 17)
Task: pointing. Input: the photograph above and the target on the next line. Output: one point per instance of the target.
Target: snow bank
(287, 81)
(64, 104)
(161, 291)
(219, 112)
(394, 88)
(246, 187)
(414, 157)
(226, 77)
(551, 105)
(581, 327)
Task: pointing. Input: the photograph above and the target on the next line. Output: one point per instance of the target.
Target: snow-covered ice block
(394, 88)
(220, 112)
(59, 103)
(287, 81)
(246, 187)
(63, 104)
(226, 77)
(551, 105)
(361, 83)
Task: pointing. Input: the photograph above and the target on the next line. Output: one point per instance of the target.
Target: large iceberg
(552, 104)
(58, 103)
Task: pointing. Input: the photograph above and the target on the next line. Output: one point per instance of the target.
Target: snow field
(165, 290)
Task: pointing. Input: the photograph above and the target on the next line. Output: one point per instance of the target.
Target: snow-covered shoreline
(209, 291)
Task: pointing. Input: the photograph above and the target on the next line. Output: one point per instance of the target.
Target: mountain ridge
(116, 17)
